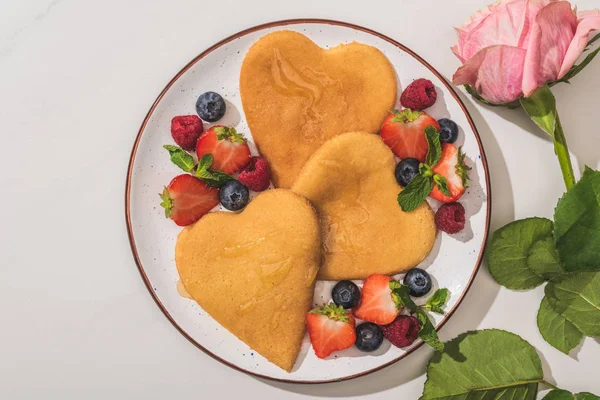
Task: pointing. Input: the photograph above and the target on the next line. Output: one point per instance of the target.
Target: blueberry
(448, 130)
(210, 106)
(418, 282)
(346, 294)
(406, 170)
(369, 337)
(233, 195)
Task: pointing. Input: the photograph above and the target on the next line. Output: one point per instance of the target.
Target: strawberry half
(187, 199)
(378, 303)
(228, 147)
(451, 166)
(404, 132)
(330, 328)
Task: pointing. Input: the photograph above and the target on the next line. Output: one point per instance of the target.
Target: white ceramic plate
(453, 262)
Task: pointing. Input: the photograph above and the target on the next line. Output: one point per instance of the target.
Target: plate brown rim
(244, 32)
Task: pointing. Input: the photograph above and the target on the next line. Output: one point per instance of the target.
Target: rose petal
(507, 22)
(588, 21)
(549, 40)
(496, 72)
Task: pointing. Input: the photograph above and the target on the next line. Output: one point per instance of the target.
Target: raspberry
(419, 95)
(186, 130)
(256, 175)
(403, 331)
(450, 218)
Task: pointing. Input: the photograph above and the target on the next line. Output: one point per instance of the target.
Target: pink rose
(513, 47)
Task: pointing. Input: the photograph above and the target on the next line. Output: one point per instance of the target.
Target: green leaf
(211, 177)
(509, 250)
(543, 260)
(442, 184)
(488, 364)
(556, 329)
(227, 133)
(541, 107)
(406, 115)
(559, 394)
(462, 169)
(438, 300)
(576, 69)
(577, 224)
(205, 162)
(434, 147)
(415, 192)
(180, 157)
(166, 203)
(511, 106)
(593, 40)
(576, 296)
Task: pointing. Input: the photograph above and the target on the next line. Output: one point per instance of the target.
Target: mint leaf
(556, 329)
(415, 192)
(434, 147)
(577, 224)
(180, 157)
(543, 260)
(442, 184)
(209, 176)
(559, 394)
(509, 250)
(541, 107)
(438, 300)
(488, 364)
(576, 296)
(586, 396)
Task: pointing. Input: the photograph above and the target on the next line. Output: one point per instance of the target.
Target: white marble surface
(76, 79)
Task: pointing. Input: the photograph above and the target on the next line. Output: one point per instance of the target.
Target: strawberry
(378, 303)
(187, 199)
(330, 328)
(228, 147)
(451, 166)
(404, 133)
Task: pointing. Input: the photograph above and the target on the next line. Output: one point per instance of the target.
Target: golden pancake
(254, 272)
(350, 181)
(297, 95)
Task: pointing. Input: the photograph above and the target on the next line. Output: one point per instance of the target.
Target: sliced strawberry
(330, 328)
(377, 302)
(451, 166)
(404, 133)
(187, 199)
(228, 147)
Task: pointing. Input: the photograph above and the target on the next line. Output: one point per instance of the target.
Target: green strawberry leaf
(438, 300)
(211, 177)
(543, 260)
(488, 364)
(462, 169)
(541, 107)
(442, 184)
(556, 329)
(226, 133)
(415, 192)
(577, 224)
(509, 251)
(180, 157)
(406, 115)
(167, 202)
(332, 311)
(576, 296)
(559, 394)
(434, 147)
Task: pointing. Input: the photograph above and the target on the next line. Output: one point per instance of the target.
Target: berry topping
(418, 282)
(256, 174)
(369, 336)
(419, 95)
(406, 170)
(228, 147)
(210, 106)
(452, 167)
(185, 130)
(330, 329)
(450, 218)
(233, 195)
(403, 331)
(186, 199)
(448, 130)
(378, 303)
(404, 133)
(346, 294)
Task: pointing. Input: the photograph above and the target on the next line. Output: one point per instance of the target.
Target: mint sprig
(180, 157)
(422, 184)
(211, 177)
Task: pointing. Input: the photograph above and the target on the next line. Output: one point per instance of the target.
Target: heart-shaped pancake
(254, 272)
(297, 95)
(350, 181)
